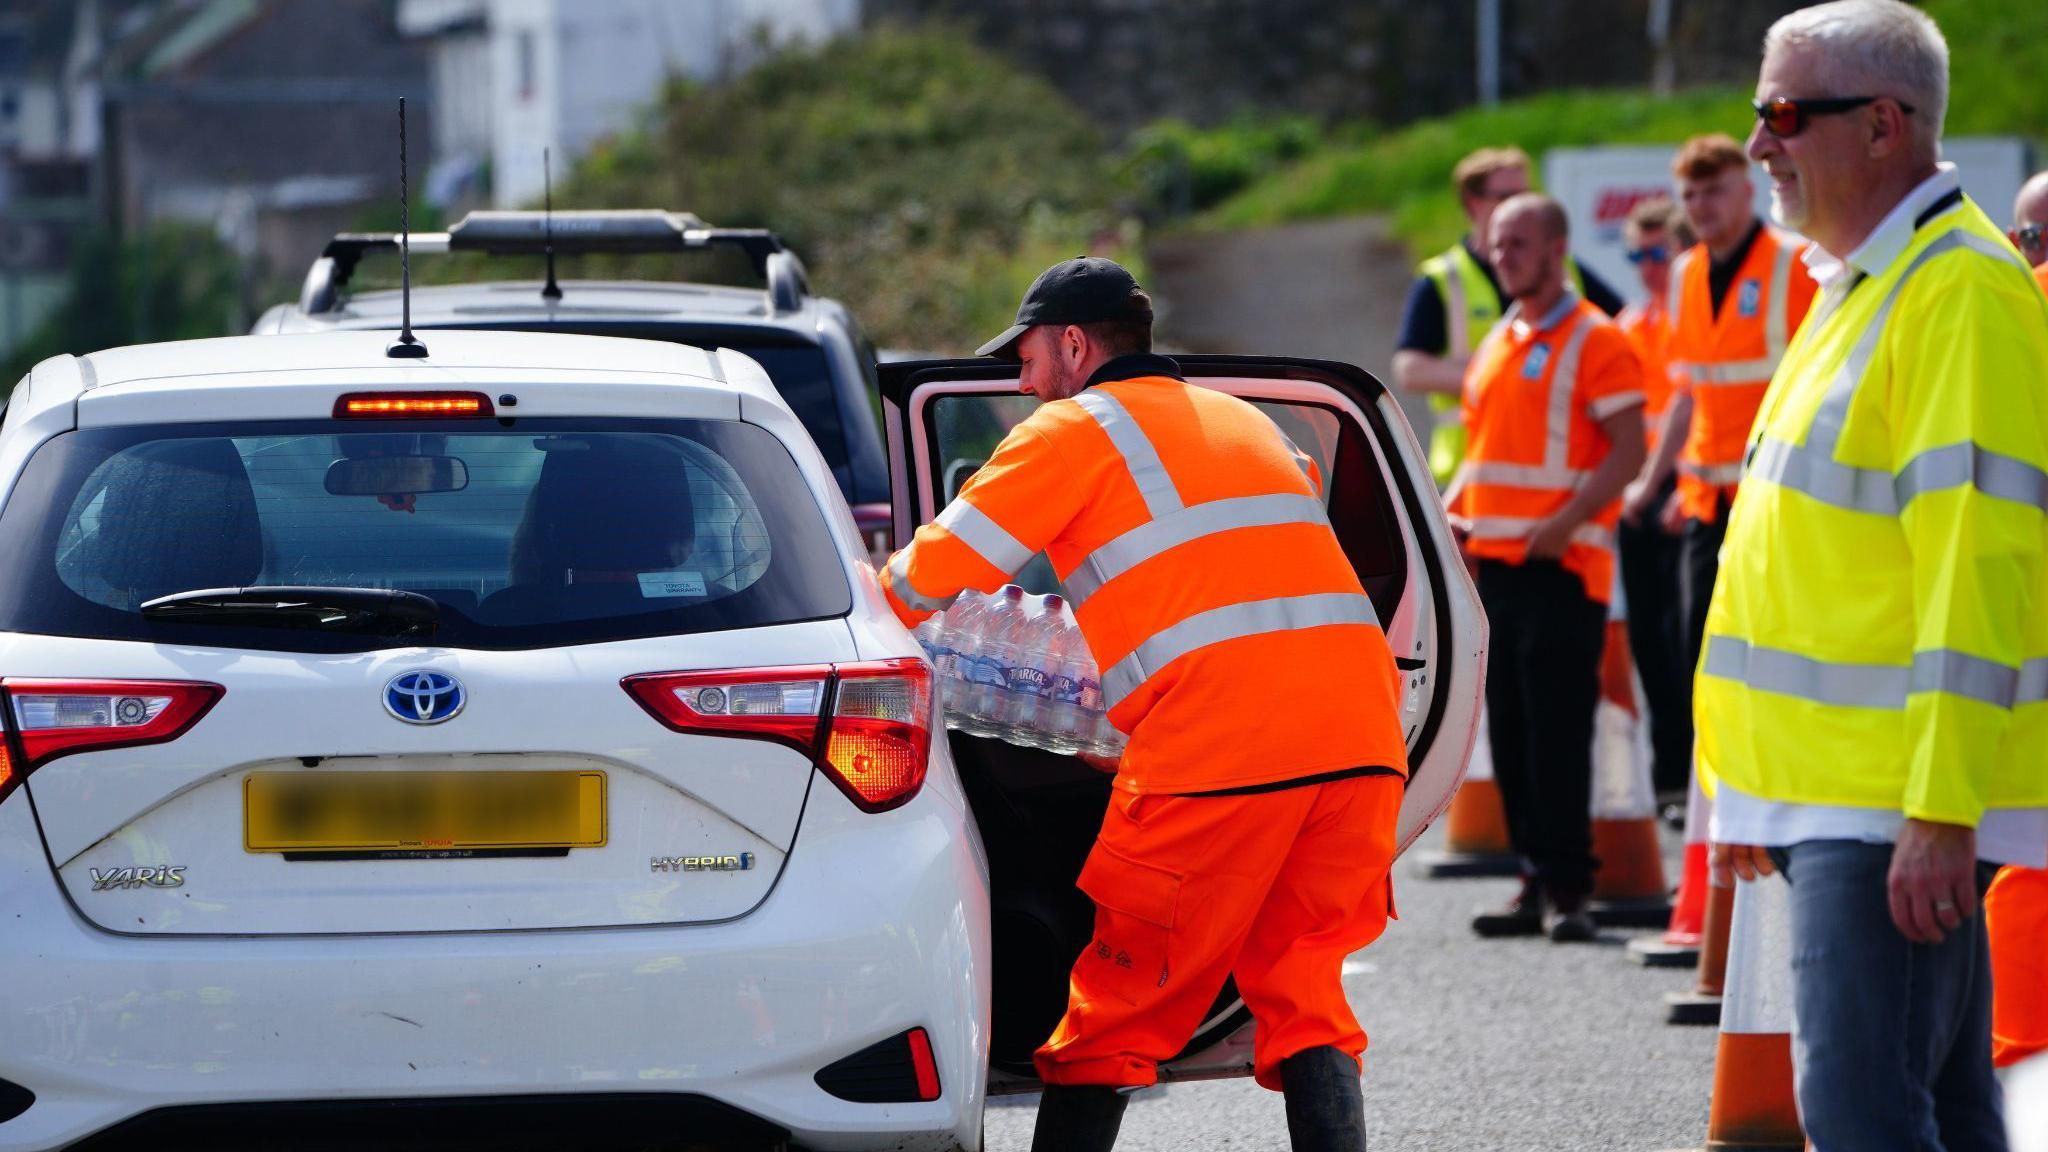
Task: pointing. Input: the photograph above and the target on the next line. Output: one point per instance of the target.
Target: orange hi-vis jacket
(1535, 394)
(1236, 644)
(1648, 327)
(1726, 360)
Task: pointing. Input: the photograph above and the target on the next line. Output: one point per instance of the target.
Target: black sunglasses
(2032, 235)
(1785, 118)
(1655, 253)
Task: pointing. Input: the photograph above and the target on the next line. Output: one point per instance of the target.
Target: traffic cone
(1754, 1106)
(1628, 889)
(1702, 1005)
(1679, 946)
(1476, 825)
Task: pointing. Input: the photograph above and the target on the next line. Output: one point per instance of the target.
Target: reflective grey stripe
(1817, 475)
(1727, 371)
(1192, 523)
(1790, 674)
(1811, 467)
(899, 583)
(1140, 458)
(1564, 384)
(1614, 402)
(1722, 474)
(1778, 308)
(2033, 683)
(1516, 527)
(1992, 473)
(1961, 674)
(1522, 475)
(1674, 301)
(990, 540)
(1455, 315)
(1231, 622)
(1884, 686)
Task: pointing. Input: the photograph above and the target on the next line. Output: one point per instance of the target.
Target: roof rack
(629, 231)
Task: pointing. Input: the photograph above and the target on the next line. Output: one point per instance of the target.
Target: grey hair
(1875, 48)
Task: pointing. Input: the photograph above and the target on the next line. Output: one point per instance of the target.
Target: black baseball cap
(1084, 290)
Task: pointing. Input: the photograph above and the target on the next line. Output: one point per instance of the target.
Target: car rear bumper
(879, 925)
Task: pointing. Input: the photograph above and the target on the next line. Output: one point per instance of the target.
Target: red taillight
(924, 1065)
(881, 733)
(8, 777)
(53, 718)
(785, 705)
(874, 745)
(411, 405)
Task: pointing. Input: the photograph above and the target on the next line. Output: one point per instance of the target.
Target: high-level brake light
(875, 744)
(411, 405)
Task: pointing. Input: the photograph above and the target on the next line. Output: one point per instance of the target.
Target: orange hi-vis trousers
(2016, 919)
(1278, 887)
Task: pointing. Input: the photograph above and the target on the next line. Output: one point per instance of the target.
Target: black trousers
(1659, 639)
(1699, 565)
(1542, 687)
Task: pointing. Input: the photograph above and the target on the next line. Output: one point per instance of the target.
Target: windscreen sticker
(655, 585)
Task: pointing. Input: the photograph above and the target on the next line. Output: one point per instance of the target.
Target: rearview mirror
(396, 476)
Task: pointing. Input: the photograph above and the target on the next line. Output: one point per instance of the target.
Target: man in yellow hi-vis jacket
(1872, 700)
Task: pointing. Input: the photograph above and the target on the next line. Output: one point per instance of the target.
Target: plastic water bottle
(1028, 715)
(955, 632)
(1071, 726)
(987, 671)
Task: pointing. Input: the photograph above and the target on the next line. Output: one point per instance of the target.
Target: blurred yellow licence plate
(368, 811)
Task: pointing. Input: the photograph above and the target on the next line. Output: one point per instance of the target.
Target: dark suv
(811, 346)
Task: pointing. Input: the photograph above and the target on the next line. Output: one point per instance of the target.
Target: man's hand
(1108, 764)
(1636, 500)
(1672, 518)
(1933, 881)
(1731, 862)
(1548, 539)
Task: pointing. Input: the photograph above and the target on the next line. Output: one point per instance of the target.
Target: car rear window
(561, 532)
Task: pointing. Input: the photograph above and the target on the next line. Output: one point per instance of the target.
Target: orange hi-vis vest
(1648, 327)
(1726, 360)
(1535, 395)
(1236, 643)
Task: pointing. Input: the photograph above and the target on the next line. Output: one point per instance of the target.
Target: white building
(514, 77)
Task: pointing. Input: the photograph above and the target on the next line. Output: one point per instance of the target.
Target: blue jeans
(1891, 1040)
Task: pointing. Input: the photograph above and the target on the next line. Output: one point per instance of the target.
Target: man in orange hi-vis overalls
(1252, 824)
(1554, 413)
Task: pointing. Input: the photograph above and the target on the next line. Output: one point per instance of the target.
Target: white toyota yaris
(511, 747)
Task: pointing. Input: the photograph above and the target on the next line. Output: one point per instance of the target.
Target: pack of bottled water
(1014, 667)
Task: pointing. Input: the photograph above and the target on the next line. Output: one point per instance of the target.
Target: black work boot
(1522, 917)
(1078, 1118)
(1325, 1106)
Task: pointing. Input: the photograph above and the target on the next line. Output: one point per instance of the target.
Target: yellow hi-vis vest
(1878, 636)
(1472, 307)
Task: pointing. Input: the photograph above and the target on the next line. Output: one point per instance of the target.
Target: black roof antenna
(550, 290)
(407, 346)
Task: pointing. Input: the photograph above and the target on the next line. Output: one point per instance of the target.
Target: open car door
(1038, 813)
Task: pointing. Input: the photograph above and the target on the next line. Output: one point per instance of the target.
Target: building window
(526, 64)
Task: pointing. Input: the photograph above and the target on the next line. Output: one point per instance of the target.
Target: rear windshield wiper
(375, 611)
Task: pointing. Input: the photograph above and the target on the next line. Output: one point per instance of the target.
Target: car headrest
(178, 515)
(604, 505)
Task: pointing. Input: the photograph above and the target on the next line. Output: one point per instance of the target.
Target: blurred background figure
(2029, 232)
(1457, 298)
(1655, 233)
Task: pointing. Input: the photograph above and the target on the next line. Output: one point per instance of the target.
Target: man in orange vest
(1251, 827)
(1553, 406)
(1736, 298)
(1655, 232)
